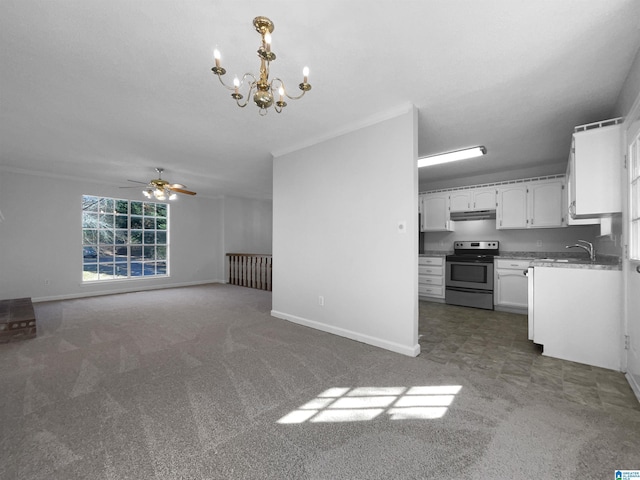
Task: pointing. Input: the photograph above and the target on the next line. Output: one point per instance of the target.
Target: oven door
(469, 275)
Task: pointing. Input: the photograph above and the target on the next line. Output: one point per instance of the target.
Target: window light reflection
(359, 404)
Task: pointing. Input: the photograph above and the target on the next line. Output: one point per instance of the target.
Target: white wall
(40, 238)
(551, 239)
(336, 209)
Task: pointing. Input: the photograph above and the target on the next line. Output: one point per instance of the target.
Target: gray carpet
(201, 383)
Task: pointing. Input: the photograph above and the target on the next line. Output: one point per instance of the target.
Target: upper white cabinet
(596, 158)
(435, 212)
(472, 199)
(511, 211)
(544, 202)
(536, 204)
(566, 201)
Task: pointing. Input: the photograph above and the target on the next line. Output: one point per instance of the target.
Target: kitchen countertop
(566, 260)
(436, 253)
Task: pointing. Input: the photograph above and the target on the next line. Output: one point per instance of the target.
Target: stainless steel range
(469, 274)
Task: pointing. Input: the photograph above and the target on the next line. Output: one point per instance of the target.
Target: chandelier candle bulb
(216, 56)
(236, 83)
(305, 74)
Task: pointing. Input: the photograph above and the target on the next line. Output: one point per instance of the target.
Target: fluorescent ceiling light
(451, 156)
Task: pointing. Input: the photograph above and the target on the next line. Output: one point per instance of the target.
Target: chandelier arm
(286, 94)
(251, 87)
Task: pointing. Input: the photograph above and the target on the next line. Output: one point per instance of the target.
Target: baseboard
(518, 310)
(633, 383)
(359, 337)
(130, 289)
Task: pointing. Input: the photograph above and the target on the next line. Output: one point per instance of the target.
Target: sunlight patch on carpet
(343, 404)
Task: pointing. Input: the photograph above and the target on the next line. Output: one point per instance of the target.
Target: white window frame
(633, 158)
(118, 245)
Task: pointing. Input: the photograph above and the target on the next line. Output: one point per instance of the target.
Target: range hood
(473, 215)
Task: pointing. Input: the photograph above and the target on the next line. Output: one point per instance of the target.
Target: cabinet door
(597, 171)
(545, 204)
(484, 199)
(512, 207)
(569, 198)
(436, 212)
(511, 288)
(460, 201)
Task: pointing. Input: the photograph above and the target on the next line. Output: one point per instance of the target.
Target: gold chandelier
(264, 88)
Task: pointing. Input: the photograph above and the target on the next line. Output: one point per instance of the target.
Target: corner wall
(337, 206)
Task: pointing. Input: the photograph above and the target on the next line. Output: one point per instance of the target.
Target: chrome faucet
(588, 246)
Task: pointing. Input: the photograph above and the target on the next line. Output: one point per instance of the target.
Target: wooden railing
(250, 270)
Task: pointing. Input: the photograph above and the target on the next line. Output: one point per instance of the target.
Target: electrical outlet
(321, 300)
(47, 282)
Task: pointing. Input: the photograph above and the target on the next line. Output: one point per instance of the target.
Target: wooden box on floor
(17, 320)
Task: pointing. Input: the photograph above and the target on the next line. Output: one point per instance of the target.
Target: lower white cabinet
(431, 277)
(575, 314)
(510, 289)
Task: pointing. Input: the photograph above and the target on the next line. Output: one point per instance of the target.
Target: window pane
(106, 221)
(106, 237)
(105, 270)
(136, 253)
(105, 254)
(149, 269)
(149, 253)
(89, 272)
(121, 270)
(107, 205)
(122, 206)
(89, 237)
(90, 204)
(149, 223)
(161, 268)
(122, 253)
(136, 269)
(122, 221)
(89, 220)
(161, 253)
(149, 238)
(136, 208)
(90, 254)
(136, 236)
(122, 236)
(161, 238)
(136, 222)
(161, 210)
(161, 224)
(149, 209)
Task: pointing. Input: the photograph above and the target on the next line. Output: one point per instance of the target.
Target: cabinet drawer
(431, 261)
(429, 270)
(430, 280)
(503, 263)
(431, 291)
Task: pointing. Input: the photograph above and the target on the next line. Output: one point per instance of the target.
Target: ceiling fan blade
(131, 186)
(177, 185)
(180, 190)
(136, 181)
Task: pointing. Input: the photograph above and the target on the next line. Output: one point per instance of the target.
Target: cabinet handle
(526, 273)
(638, 269)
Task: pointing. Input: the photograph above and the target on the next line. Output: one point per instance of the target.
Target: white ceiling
(110, 89)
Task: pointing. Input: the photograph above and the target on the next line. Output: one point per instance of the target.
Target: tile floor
(495, 344)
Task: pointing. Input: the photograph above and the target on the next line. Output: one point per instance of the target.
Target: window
(634, 190)
(124, 239)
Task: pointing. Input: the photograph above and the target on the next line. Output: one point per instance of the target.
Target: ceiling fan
(161, 189)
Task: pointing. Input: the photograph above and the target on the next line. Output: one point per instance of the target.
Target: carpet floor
(202, 383)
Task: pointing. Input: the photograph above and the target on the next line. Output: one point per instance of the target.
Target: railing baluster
(250, 270)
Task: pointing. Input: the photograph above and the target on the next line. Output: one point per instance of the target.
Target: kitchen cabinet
(510, 291)
(472, 199)
(511, 211)
(544, 204)
(567, 199)
(435, 216)
(535, 204)
(596, 169)
(431, 277)
(575, 313)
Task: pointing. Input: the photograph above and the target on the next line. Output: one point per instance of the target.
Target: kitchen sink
(565, 260)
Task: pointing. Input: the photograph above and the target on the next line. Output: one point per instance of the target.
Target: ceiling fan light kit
(265, 89)
(162, 190)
